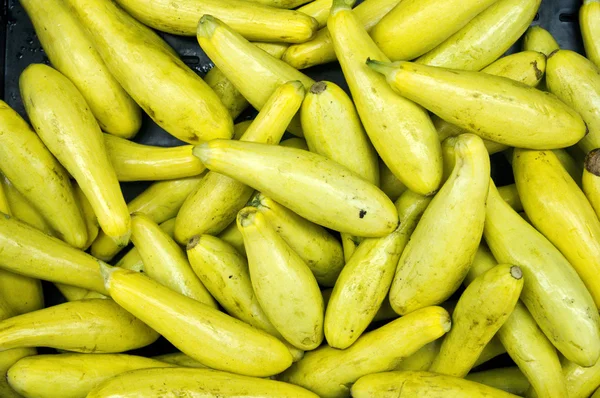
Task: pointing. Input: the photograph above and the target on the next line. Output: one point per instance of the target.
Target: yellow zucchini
(550, 282)
(389, 183)
(540, 40)
(71, 52)
(175, 97)
(62, 119)
(421, 385)
(28, 164)
(86, 326)
(319, 10)
(441, 249)
(152, 383)
(22, 209)
(510, 195)
(366, 278)
(310, 185)
(589, 14)
(409, 30)
(215, 202)
(253, 21)
(233, 236)
(165, 262)
(22, 294)
(576, 81)
(281, 3)
(509, 379)
(7, 359)
(298, 143)
(558, 208)
(581, 381)
(330, 372)
(277, 272)
(91, 221)
(485, 38)
(72, 375)
(400, 130)
(591, 179)
(133, 260)
(180, 360)
(211, 337)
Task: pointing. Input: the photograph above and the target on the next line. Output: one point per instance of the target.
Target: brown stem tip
(318, 87)
(193, 242)
(592, 162)
(516, 272)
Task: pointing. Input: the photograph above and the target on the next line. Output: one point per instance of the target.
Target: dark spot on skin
(362, 213)
(230, 276)
(592, 162)
(538, 72)
(318, 87)
(476, 95)
(552, 53)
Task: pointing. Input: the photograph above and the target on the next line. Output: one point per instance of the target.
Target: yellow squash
(7, 359)
(509, 379)
(282, 282)
(91, 221)
(320, 50)
(217, 199)
(319, 10)
(389, 183)
(576, 81)
(310, 185)
(62, 119)
(591, 179)
(72, 375)
(524, 341)
(165, 262)
(232, 235)
(558, 208)
(485, 38)
(589, 14)
(161, 201)
(415, 27)
(137, 162)
(479, 102)
(87, 326)
(400, 130)
(28, 164)
(330, 372)
(180, 360)
(211, 337)
(540, 40)
(481, 310)
(71, 52)
(422, 385)
(21, 293)
(581, 381)
(4, 207)
(441, 249)
(175, 97)
(155, 383)
(253, 21)
(22, 209)
(281, 3)
(366, 278)
(422, 359)
(550, 281)
(318, 248)
(298, 143)
(510, 195)
(133, 260)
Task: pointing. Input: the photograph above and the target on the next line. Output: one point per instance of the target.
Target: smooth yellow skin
(310, 185)
(479, 102)
(233, 236)
(22, 209)
(4, 206)
(295, 142)
(211, 337)
(32, 253)
(7, 359)
(422, 385)
(133, 260)
(283, 283)
(180, 360)
(165, 262)
(526, 67)
(218, 198)
(558, 208)
(438, 256)
(366, 278)
(485, 38)
(155, 383)
(262, 73)
(233, 100)
(389, 183)
(401, 131)
(524, 341)
(281, 3)
(540, 40)
(62, 119)
(422, 359)
(589, 14)
(385, 312)
(330, 372)
(240, 128)
(591, 179)
(550, 281)
(320, 50)
(581, 382)
(86, 326)
(35, 172)
(510, 195)
(71, 52)
(161, 202)
(415, 27)
(72, 375)
(576, 81)
(253, 21)
(91, 221)
(319, 10)
(173, 95)
(318, 248)
(481, 310)
(328, 110)
(572, 166)
(509, 379)
(137, 162)
(22, 294)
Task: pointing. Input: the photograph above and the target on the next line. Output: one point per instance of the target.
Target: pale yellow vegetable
(22, 209)
(133, 260)
(540, 40)
(21, 293)
(90, 218)
(180, 360)
(590, 31)
(232, 235)
(319, 10)
(281, 3)
(510, 195)
(591, 179)
(580, 381)
(389, 183)
(509, 379)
